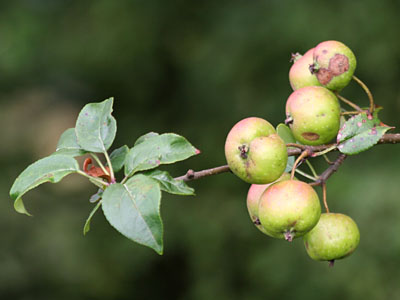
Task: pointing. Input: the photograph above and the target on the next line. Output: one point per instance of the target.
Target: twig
(388, 138)
(331, 169)
(366, 89)
(192, 175)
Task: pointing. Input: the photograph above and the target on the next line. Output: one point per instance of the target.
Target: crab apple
(313, 113)
(289, 209)
(334, 64)
(334, 237)
(299, 74)
(254, 152)
(253, 198)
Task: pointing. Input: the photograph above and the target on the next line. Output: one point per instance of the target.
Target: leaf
(145, 137)
(95, 127)
(363, 140)
(290, 164)
(49, 169)
(169, 184)
(117, 158)
(68, 144)
(285, 133)
(133, 209)
(155, 150)
(86, 227)
(96, 197)
(360, 133)
(287, 136)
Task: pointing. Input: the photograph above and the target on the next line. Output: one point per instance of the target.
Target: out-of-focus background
(194, 68)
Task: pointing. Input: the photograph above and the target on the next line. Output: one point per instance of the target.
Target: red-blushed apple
(334, 64)
(289, 209)
(253, 198)
(334, 237)
(299, 74)
(313, 114)
(254, 152)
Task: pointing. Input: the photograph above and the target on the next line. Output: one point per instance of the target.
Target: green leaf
(49, 169)
(363, 140)
(96, 197)
(360, 133)
(117, 158)
(285, 133)
(133, 209)
(287, 136)
(86, 228)
(155, 150)
(169, 184)
(145, 137)
(68, 144)
(95, 127)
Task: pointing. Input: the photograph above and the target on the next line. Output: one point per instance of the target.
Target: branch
(328, 172)
(293, 149)
(192, 175)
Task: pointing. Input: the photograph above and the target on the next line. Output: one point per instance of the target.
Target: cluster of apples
(280, 206)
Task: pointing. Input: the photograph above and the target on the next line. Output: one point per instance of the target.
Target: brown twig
(389, 138)
(331, 169)
(192, 175)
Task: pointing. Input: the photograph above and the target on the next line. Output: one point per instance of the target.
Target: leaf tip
(20, 207)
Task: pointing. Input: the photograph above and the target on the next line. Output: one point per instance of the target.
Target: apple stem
(304, 154)
(348, 102)
(368, 92)
(324, 197)
(331, 263)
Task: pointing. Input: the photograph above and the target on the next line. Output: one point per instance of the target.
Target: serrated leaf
(169, 184)
(360, 133)
(356, 125)
(49, 169)
(287, 136)
(160, 149)
(133, 209)
(117, 158)
(363, 140)
(95, 127)
(86, 227)
(145, 137)
(68, 144)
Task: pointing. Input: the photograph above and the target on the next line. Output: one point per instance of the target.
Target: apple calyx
(244, 149)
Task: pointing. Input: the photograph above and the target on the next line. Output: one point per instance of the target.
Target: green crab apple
(334, 237)
(289, 209)
(334, 64)
(299, 74)
(253, 198)
(313, 114)
(255, 152)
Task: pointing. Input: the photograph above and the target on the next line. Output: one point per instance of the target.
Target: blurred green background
(194, 68)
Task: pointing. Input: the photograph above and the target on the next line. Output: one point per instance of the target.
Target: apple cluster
(279, 205)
